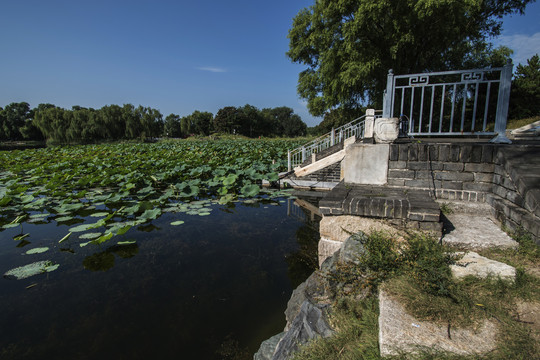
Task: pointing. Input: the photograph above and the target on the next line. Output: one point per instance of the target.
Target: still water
(211, 288)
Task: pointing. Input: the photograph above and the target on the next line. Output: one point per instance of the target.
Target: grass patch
(526, 255)
(517, 123)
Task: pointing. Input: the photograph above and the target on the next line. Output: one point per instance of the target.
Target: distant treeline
(113, 122)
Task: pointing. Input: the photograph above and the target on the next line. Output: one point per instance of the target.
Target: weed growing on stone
(446, 208)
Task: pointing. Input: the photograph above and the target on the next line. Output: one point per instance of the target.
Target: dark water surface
(212, 288)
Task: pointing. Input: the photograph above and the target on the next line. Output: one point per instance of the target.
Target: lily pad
(37, 250)
(64, 218)
(38, 267)
(176, 223)
(83, 227)
(125, 242)
(38, 216)
(150, 214)
(99, 214)
(250, 190)
(91, 235)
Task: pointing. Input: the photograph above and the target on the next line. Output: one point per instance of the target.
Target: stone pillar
(369, 123)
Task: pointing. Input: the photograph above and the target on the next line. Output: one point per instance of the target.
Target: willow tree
(348, 46)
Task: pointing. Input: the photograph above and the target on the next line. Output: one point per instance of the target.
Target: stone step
(413, 208)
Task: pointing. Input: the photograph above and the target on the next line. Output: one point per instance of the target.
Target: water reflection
(216, 283)
(104, 261)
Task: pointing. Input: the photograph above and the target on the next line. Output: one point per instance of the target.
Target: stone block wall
(492, 173)
(453, 172)
(477, 172)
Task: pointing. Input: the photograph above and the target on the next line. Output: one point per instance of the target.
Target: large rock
(268, 347)
(340, 228)
(335, 230)
(478, 266)
(306, 308)
(400, 332)
(309, 324)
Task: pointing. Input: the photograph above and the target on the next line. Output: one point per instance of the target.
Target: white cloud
(524, 46)
(212, 69)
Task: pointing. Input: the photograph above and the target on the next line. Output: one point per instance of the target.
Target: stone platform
(412, 208)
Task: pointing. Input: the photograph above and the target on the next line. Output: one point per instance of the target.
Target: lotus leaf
(250, 190)
(32, 269)
(99, 214)
(126, 242)
(150, 214)
(91, 235)
(83, 227)
(37, 250)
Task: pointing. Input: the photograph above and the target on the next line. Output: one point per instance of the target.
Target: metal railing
(467, 102)
(342, 133)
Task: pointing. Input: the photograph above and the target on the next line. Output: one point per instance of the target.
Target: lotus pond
(131, 251)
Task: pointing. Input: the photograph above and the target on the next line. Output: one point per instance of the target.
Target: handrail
(354, 128)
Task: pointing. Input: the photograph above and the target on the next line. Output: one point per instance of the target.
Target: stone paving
(469, 227)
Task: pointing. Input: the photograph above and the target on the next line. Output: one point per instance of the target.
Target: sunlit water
(211, 288)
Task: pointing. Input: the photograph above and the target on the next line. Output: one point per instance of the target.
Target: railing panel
(451, 102)
(299, 155)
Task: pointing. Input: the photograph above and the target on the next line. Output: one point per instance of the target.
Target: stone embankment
(470, 227)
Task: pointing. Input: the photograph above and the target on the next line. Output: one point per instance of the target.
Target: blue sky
(175, 56)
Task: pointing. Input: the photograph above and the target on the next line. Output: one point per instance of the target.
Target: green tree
(525, 93)
(13, 118)
(284, 122)
(112, 122)
(2, 120)
(251, 121)
(348, 46)
(172, 128)
(226, 120)
(201, 122)
(185, 125)
(132, 121)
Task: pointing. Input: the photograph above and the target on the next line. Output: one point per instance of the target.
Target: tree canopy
(525, 93)
(113, 122)
(348, 46)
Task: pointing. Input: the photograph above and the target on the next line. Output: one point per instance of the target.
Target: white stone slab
(476, 232)
(478, 266)
(366, 164)
(400, 332)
